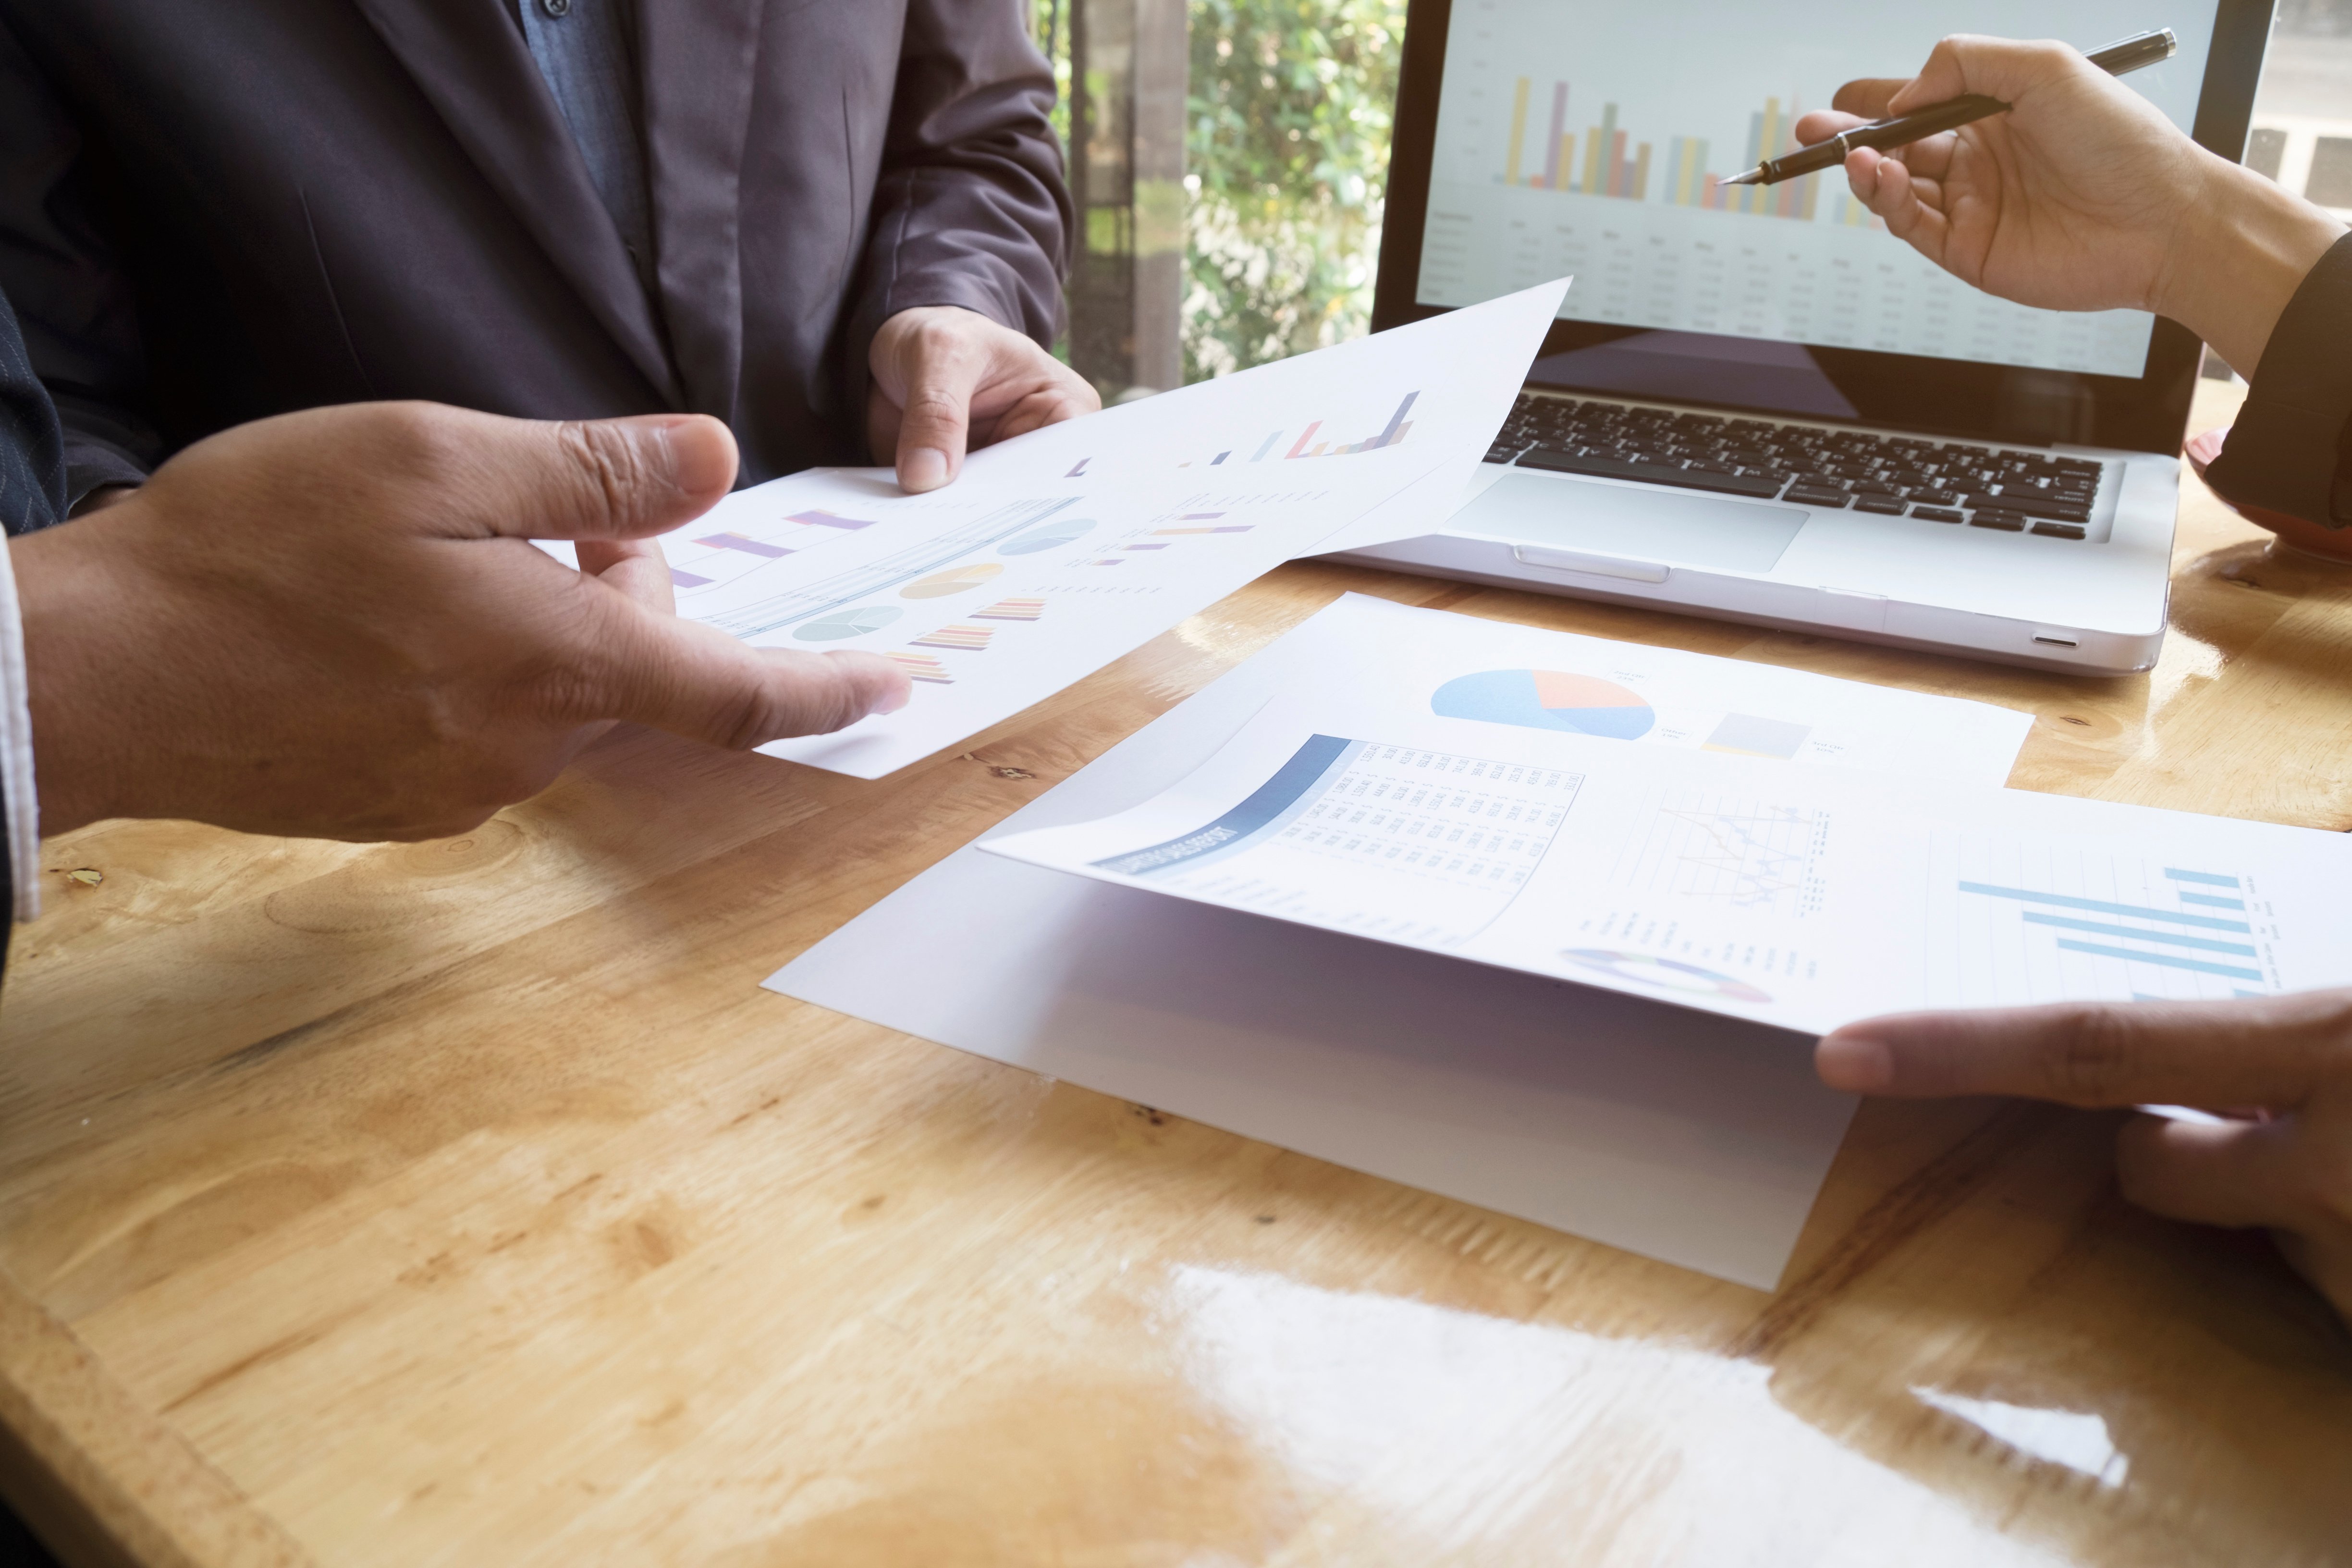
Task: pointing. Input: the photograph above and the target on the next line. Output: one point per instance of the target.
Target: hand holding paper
(1060, 550)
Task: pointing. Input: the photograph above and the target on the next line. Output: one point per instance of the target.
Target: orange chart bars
(1393, 435)
(970, 638)
(920, 667)
(1771, 134)
(1611, 167)
(1011, 610)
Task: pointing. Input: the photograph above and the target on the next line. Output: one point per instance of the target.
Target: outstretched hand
(2278, 1069)
(333, 624)
(2081, 197)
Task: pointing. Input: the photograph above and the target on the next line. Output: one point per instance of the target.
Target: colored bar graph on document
(1011, 610)
(2174, 932)
(972, 639)
(1391, 434)
(921, 667)
(746, 545)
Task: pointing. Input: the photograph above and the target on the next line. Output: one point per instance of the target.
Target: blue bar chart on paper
(2031, 924)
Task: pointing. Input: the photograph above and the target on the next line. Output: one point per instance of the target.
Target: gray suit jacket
(213, 210)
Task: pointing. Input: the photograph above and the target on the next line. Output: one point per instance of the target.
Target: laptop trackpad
(1636, 524)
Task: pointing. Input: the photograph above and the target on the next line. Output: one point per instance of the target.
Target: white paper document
(1059, 551)
(1695, 1139)
(1502, 817)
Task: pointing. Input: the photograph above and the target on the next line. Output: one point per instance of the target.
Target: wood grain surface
(468, 1203)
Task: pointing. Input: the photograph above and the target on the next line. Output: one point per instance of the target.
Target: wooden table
(468, 1203)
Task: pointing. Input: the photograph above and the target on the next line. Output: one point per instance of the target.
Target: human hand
(2081, 197)
(332, 624)
(2279, 1069)
(946, 379)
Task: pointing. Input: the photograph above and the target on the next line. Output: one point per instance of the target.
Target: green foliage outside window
(1286, 168)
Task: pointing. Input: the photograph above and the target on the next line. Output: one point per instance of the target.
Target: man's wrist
(2244, 247)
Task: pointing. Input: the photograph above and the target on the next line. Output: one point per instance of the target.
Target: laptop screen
(1539, 138)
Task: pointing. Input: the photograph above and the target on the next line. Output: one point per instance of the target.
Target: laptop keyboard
(1955, 482)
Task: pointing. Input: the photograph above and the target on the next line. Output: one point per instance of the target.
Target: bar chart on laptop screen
(1593, 139)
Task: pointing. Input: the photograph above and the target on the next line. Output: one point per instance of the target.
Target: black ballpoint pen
(2123, 55)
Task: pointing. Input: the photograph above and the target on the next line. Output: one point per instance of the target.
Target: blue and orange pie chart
(1546, 699)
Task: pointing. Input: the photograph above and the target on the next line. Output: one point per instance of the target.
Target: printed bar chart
(1306, 445)
(747, 546)
(2180, 941)
(921, 667)
(899, 570)
(972, 639)
(1016, 609)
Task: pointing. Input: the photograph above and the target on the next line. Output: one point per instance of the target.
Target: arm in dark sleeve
(31, 495)
(32, 452)
(971, 208)
(75, 304)
(2291, 448)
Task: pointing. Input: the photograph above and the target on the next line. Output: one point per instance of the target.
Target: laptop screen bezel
(1964, 398)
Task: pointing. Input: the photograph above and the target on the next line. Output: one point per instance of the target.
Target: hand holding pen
(2080, 196)
(1934, 119)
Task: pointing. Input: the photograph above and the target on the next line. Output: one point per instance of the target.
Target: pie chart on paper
(848, 624)
(954, 580)
(1546, 699)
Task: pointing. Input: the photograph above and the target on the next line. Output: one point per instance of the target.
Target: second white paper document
(1561, 822)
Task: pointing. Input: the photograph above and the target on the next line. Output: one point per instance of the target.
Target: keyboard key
(2007, 521)
(2058, 531)
(1937, 497)
(1886, 506)
(1554, 461)
(1809, 496)
(1937, 514)
(2041, 506)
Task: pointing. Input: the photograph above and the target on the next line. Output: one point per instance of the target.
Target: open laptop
(1758, 405)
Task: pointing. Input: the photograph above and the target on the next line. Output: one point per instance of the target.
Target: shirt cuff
(92, 463)
(2291, 448)
(23, 808)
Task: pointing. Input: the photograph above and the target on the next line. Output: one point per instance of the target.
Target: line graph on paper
(1756, 857)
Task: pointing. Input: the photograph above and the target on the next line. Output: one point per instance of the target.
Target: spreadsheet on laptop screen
(1587, 138)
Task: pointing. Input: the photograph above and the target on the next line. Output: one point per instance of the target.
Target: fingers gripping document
(1503, 820)
(1059, 551)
